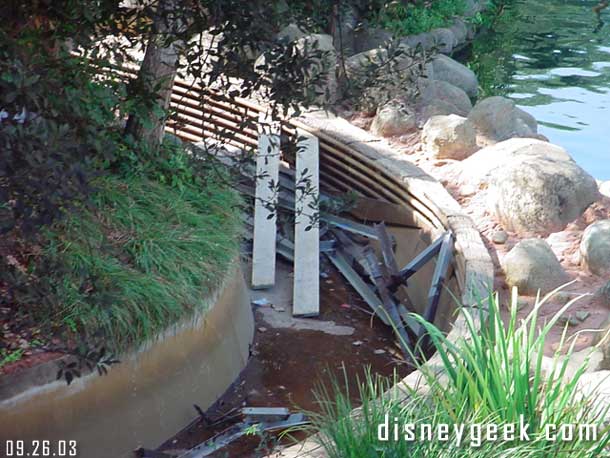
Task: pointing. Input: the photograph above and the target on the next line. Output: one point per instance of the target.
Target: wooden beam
(306, 291)
(265, 206)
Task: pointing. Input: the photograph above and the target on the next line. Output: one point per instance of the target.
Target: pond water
(553, 58)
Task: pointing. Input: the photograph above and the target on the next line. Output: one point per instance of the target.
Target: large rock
(595, 247)
(424, 40)
(324, 67)
(396, 79)
(497, 119)
(290, 33)
(604, 188)
(441, 98)
(446, 69)
(449, 137)
(367, 38)
(445, 40)
(394, 118)
(345, 31)
(533, 186)
(531, 266)
(460, 31)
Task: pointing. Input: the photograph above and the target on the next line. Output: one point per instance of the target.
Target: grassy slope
(146, 256)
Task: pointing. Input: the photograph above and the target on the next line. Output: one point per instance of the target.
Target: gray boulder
(446, 69)
(595, 247)
(445, 40)
(604, 294)
(533, 186)
(366, 38)
(531, 266)
(394, 118)
(460, 31)
(425, 40)
(441, 98)
(449, 137)
(497, 119)
(324, 67)
(290, 33)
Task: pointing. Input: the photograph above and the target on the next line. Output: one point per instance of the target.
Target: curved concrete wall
(148, 396)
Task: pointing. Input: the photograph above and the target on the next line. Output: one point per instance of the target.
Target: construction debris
(363, 253)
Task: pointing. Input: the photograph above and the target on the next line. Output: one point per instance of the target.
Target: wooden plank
(306, 291)
(265, 206)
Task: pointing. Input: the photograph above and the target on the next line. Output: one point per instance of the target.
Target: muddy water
(287, 364)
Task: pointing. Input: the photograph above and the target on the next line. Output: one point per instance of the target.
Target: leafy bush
(492, 375)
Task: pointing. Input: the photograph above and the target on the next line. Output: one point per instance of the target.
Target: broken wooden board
(306, 291)
(265, 206)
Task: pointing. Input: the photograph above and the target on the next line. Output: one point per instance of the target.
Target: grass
(146, 255)
(403, 18)
(493, 375)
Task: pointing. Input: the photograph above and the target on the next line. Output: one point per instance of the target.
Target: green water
(553, 58)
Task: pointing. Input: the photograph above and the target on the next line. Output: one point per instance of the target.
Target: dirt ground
(291, 357)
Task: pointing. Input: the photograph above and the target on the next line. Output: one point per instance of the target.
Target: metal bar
(440, 271)
(350, 226)
(386, 248)
(422, 258)
(235, 432)
(365, 291)
(258, 414)
(390, 307)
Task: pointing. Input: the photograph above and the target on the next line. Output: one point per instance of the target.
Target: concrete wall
(148, 396)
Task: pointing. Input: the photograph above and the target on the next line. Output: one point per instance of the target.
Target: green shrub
(143, 256)
(492, 375)
(407, 18)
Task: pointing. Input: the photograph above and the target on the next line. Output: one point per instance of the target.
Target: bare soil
(288, 363)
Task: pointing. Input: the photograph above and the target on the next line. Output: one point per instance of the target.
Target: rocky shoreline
(545, 220)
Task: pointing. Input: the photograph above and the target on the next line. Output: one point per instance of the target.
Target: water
(553, 58)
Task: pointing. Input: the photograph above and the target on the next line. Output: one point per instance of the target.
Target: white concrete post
(306, 295)
(265, 205)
